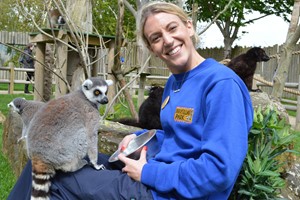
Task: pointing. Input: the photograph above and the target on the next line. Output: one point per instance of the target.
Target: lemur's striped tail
(41, 175)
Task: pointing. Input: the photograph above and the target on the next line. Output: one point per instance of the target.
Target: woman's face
(170, 40)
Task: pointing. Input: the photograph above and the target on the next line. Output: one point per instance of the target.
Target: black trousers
(29, 76)
(86, 184)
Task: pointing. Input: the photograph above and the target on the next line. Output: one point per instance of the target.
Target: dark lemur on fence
(149, 111)
(244, 65)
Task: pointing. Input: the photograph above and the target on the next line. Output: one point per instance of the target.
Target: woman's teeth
(174, 51)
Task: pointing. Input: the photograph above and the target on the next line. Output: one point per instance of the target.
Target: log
(14, 151)
(110, 135)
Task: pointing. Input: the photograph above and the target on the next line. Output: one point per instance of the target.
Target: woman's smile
(174, 51)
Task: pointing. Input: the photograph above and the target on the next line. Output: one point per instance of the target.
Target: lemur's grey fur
(26, 109)
(63, 132)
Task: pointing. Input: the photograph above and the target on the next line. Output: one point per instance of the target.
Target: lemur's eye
(97, 92)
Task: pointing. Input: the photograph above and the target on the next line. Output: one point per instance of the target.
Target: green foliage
(270, 137)
(230, 21)
(121, 110)
(239, 9)
(105, 18)
(13, 16)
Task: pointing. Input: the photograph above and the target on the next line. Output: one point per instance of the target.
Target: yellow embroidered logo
(184, 114)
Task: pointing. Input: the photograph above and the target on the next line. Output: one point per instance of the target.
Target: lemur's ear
(87, 84)
(109, 82)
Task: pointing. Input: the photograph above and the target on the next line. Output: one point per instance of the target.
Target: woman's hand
(124, 143)
(133, 168)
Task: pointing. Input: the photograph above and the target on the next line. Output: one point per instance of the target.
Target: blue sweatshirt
(205, 127)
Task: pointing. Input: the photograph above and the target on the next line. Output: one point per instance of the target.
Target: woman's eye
(172, 28)
(154, 39)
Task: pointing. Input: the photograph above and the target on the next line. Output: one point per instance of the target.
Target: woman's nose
(168, 39)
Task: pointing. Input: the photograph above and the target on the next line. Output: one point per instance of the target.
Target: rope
(260, 79)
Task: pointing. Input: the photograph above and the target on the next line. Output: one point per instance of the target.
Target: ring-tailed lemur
(56, 19)
(63, 132)
(26, 109)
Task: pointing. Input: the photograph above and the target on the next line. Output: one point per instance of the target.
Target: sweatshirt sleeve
(228, 118)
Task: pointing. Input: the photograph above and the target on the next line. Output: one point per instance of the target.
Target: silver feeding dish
(134, 145)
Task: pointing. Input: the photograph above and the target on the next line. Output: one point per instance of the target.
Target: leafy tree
(13, 18)
(233, 18)
(105, 18)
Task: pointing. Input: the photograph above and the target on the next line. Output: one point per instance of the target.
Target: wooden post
(62, 66)
(12, 78)
(110, 57)
(297, 122)
(39, 71)
(94, 72)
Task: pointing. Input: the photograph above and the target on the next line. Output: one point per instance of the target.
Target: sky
(264, 32)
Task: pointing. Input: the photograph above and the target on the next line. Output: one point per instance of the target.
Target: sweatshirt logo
(184, 115)
(166, 101)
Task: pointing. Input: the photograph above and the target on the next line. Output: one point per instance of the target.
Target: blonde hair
(159, 7)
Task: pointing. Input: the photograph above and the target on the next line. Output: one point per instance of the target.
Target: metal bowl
(134, 145)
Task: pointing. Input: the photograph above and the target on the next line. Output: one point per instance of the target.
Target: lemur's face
(17, 105)
(96, 92)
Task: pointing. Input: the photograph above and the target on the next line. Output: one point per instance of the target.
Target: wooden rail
(11, 80)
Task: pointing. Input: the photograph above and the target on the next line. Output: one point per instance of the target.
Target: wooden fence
(157, 69)
(11, 75)
(14, 38)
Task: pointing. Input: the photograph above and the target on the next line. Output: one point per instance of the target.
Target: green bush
(260, 177)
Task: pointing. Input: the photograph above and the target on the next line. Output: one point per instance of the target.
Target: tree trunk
(229, 34)
(80, 12)
(48, 75)
(80, 22)
(142, 52)
(116, 70)
(293, 35)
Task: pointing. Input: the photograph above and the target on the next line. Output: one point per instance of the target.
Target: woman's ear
(189, 25)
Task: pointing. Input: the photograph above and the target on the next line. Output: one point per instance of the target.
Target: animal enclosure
(157, 71)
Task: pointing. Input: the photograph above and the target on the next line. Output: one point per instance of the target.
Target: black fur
(244, 65)
(149, 111)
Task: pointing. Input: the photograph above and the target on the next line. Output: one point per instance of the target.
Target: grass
(17, 87)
